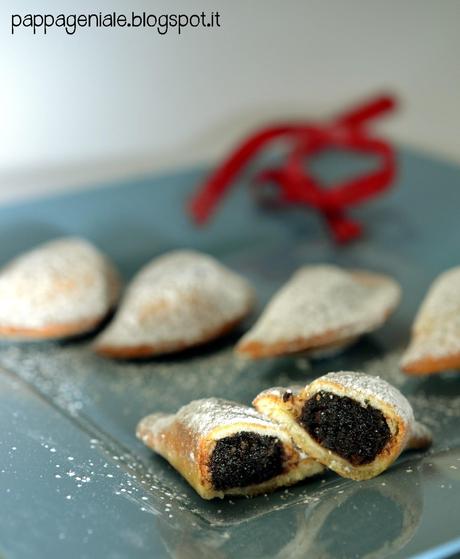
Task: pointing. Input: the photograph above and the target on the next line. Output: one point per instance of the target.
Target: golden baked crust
(285, 406)
(430, 365)
(52, 331)
(187, 439)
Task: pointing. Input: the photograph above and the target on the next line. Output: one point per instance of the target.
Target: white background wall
(107, 102)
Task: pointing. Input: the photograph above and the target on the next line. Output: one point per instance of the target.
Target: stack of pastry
(352, 423)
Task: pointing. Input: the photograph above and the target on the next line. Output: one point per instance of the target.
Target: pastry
(63, 288)
(321, 308)
(223, 448)
(177, 301)
(435, 344)
(355, 424)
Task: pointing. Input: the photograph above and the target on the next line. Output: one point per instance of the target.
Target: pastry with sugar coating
(179, 300)
(355, 424)
(435, 344)
(224, 448)
(322, 308)
(62, 288)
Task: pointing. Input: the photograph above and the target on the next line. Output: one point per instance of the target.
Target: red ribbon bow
(297, 186)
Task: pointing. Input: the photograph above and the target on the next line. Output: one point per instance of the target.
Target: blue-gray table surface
(75, 482)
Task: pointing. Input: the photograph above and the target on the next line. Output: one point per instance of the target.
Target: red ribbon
(296, 184)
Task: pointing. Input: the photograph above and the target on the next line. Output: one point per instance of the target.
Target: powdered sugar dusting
(367, 385)
(202, 416)
(178, 298)
(436, 330)
(64, 281)
(320, 299)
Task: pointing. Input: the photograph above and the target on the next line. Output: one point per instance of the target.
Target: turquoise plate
(75, 482)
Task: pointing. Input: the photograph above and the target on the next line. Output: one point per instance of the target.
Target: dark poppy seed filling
(340, 424)
(245, 459)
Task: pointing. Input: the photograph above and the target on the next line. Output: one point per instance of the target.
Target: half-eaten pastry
(321, 308)
(62, 288)
(177, 301)
(435, 344)
(223, 448)
(355, 424)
